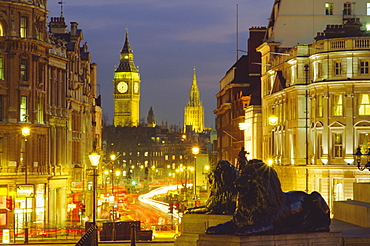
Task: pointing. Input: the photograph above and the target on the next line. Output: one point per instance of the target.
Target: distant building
(150, 118)
(240, 89)
(126, 95)
(194, 111)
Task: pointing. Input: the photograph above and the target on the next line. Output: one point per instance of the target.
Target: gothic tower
(194, 111)
(150, 118)
(126, 89)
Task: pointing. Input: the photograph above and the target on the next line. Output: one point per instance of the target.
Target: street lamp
(113, 158)
(358, 155)
(195, 151)
(26, 131)
(94, 157)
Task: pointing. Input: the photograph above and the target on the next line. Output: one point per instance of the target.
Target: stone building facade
(316, 84)
(48, 84)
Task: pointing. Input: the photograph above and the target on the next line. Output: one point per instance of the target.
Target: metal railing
(90, 238)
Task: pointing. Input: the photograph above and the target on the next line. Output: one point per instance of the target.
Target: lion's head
(259, 193)
(222, 196)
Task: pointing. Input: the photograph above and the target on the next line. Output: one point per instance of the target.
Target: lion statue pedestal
(312, 239)
(264, 214)
(192, 225)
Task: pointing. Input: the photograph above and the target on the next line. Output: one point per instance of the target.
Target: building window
(337, 105)
(347, 9)
(1, 68)
(328, 8)
(24, 69)
(317, 70)
(1, 107)
(23, 109)
(23, 27)
(319, 146)
(320, 106)
(40, 110)
(364, 104)
(338, 145)
(1, 30)
(293, 73)
(364, 143)
(368, 8)
(364, 67)
(337, 68)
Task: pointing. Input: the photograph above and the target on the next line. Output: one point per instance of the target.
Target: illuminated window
(40, 110)
(364, 67)
(173, 157)
(146, 153)
(166, 157)
(24, 70)
(23, 27)
(1, 68)
(328, 8)
(318, 70)
(364, 104)
(368, 8)
(293, 73)
(320, 106)
(347, 9)
(337, 105)
(338, 145)
(23, 115)
(319, 146)
(1, 30)
(337, 68)
(364, 142)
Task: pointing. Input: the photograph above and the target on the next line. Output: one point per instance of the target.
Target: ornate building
(194, 111)
(47, 85)
(126, 94)
(318, 92)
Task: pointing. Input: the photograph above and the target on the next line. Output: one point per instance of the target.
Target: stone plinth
(356, 211)
(194, 224)
(301, 239)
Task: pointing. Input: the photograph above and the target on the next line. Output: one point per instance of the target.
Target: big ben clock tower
(126, 89)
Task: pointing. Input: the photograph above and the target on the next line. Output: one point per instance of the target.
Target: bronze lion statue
(222, 198)
(264, 209)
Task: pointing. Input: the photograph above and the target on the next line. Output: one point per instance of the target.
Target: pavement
(349, 230)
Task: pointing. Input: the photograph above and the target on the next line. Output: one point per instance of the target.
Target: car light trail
(161, 206)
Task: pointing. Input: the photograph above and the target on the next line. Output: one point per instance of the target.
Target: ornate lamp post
(94, 157)
(358, 158)
(26, 131)
(195, 151)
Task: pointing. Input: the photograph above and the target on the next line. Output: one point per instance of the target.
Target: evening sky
(169, 38)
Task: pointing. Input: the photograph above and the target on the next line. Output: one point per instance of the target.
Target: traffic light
(177, 206)
(170, 208)
(9, 203)
(82, 208)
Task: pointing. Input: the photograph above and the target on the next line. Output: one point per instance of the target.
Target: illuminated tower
(126, 89)
(194, 111)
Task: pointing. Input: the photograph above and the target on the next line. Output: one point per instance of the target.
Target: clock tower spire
(126, 93)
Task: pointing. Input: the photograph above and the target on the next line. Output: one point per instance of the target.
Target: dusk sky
(169, 38)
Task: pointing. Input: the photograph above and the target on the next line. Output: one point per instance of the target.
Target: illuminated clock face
(122, 87)
(136, 87)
